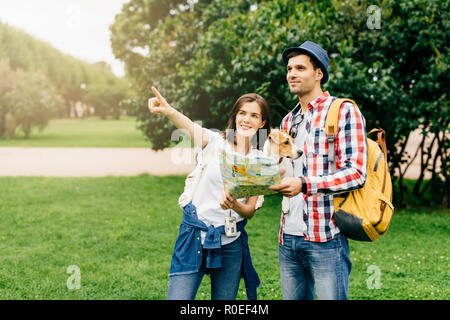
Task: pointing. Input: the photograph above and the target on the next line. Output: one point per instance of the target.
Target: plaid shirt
(351, 163)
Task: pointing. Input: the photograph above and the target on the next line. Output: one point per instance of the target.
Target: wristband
(304, 186)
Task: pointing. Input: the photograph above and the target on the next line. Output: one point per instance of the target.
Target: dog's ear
(286, 135)
(274, 137)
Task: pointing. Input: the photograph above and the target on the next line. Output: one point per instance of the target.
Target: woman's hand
(246, 210)
(158, 104)
(228, 202)
(196, 133)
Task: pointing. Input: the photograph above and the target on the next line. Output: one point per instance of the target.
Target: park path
(94, 162)
(99, 162)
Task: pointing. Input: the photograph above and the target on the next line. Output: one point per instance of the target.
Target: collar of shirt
(317, 101)
(288, 120)
(312, 104)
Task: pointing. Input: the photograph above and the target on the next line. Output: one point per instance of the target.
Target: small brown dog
(280, 146)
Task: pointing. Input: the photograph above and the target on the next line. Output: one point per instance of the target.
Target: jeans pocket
(287, 241)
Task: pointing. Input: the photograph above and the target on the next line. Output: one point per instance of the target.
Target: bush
(203, 59)
(31, 102)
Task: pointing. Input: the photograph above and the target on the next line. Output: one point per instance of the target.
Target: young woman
(202, 246)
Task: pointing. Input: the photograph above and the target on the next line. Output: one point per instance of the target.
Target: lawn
(120, 232)
(89, 132)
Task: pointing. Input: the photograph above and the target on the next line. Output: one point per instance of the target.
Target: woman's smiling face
(249, 119)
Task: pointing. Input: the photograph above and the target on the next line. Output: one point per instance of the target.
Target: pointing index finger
(157, 94)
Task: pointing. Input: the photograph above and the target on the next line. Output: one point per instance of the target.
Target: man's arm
(351, 157)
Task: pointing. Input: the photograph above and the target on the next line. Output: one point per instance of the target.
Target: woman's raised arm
(159, 105)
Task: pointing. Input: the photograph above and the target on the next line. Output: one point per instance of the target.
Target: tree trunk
(27, 130)
(10, 126)
(2, 121)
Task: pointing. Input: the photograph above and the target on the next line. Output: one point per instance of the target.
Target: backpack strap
(331, 128)
(381, 141)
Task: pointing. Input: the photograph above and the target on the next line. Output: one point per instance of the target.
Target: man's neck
(307, 98)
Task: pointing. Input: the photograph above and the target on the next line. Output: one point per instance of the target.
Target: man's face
(301, 76)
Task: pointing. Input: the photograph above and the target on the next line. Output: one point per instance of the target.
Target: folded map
(248, 176)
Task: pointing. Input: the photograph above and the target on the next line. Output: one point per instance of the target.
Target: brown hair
(315, 63)
(261, 135)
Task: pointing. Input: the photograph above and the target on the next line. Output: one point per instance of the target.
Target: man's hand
(288, 187)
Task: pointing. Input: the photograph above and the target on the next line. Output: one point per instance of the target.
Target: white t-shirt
(294, 223)
(208, 195)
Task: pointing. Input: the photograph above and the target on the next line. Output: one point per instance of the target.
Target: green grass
(120, 232)
(90, 132)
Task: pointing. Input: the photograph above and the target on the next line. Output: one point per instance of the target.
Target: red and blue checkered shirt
(321, 183)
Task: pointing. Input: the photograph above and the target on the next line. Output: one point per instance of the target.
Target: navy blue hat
(311, 49)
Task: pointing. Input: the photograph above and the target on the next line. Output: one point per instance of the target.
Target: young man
(312, 252)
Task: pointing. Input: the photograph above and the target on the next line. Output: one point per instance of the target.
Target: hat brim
(308, 53)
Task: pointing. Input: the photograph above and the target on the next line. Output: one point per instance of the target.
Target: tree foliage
(22, 56)
(203, 55)
(30, 102)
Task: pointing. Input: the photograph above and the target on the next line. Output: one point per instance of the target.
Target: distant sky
(76, 27)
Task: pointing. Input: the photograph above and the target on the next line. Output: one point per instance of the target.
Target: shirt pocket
(317, 158)
(318, 141)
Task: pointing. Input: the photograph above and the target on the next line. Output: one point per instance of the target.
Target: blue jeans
(224, 280)
(323, 265)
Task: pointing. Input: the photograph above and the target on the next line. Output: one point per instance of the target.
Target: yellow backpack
(363, 214)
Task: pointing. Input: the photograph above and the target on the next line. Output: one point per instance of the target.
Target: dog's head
(280, 143)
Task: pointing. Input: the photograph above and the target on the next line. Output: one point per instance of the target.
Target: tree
(203, 57)
(7, 80)
(399, 75)
(30, 103)
(66, 73)
(171, 29)
(106, 99)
